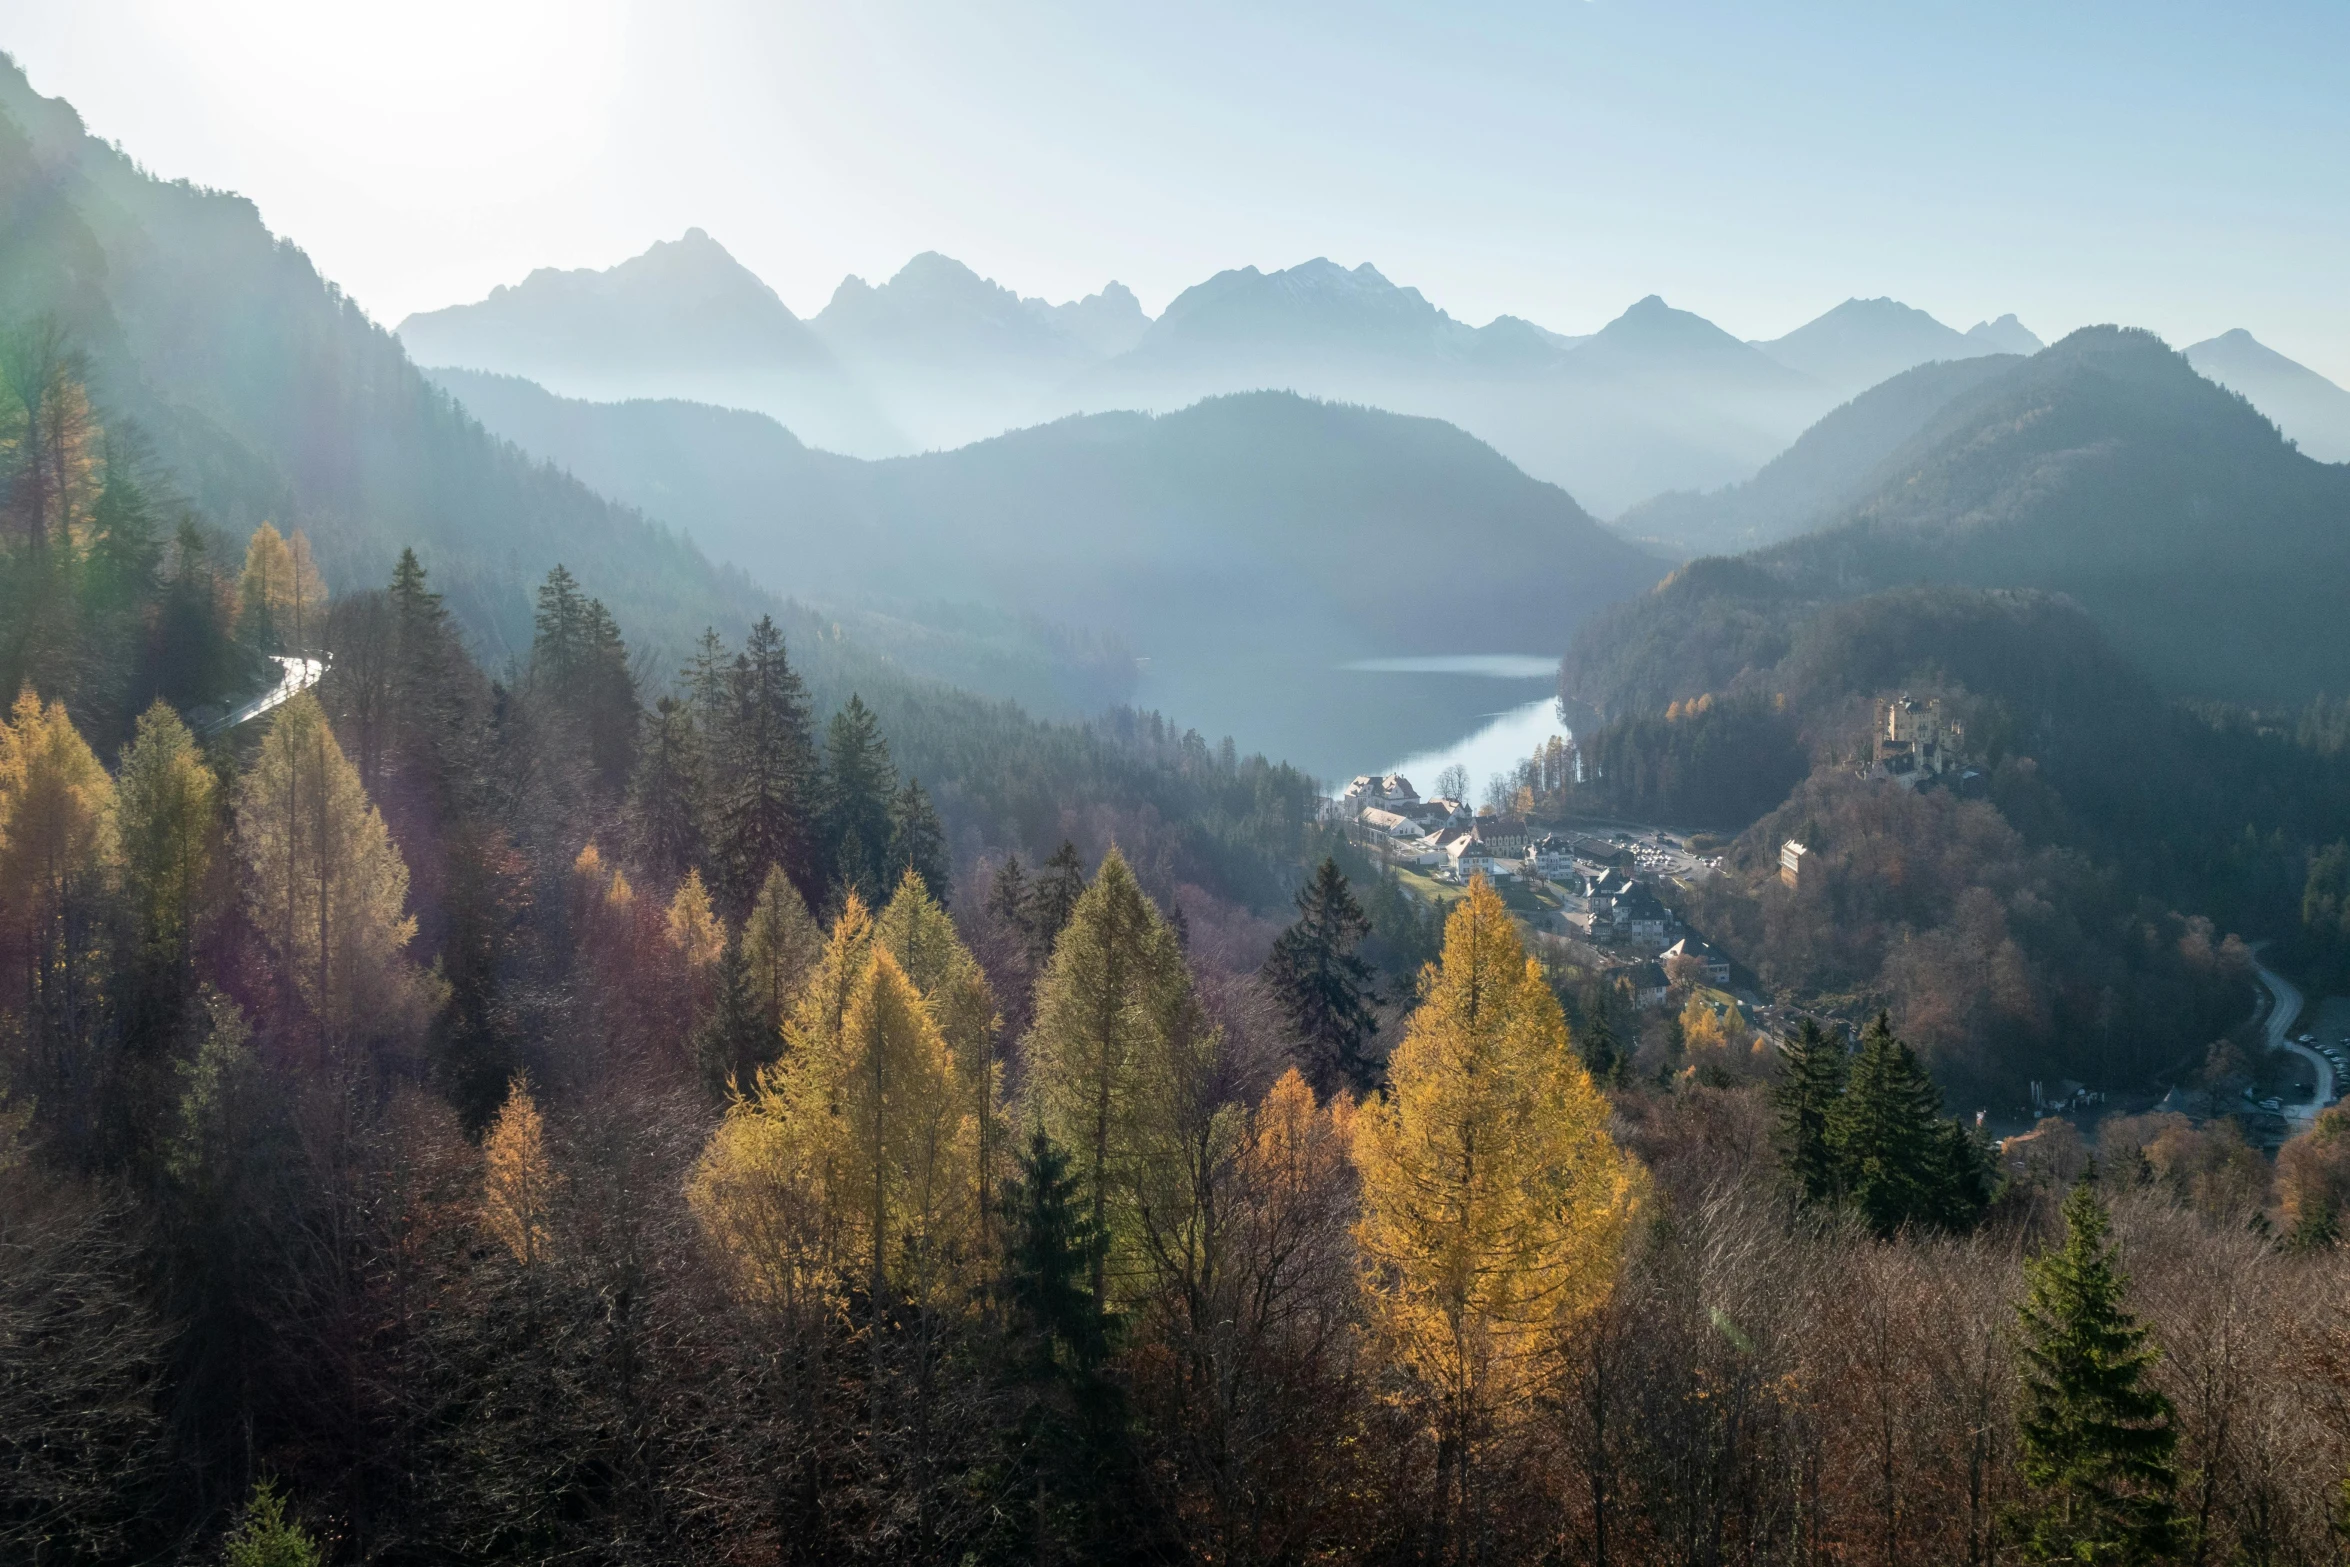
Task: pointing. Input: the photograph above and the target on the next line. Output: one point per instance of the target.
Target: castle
(1914, 741)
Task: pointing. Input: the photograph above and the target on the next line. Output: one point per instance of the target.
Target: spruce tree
(2098, 1445)
(1052, 900)
(1009, 896)
(763, 776)
(1066, 1452)
(858, 785)
(1323, 989)
(664, 806)
(1596, 1043)
(917, 842)
(1811, 1082)
(734, 1040)
(1892, 1146)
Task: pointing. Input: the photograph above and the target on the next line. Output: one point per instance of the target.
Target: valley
(1209, 914)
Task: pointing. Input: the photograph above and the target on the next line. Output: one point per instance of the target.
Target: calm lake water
(1486, 711)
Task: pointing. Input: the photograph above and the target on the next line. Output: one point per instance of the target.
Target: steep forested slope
(2212, 553)
(270, 395)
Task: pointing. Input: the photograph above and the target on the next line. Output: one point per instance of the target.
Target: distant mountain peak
(2306, 406)
(2006, 335)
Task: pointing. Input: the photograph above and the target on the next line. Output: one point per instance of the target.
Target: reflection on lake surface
(1336, 719)
(1496, 746)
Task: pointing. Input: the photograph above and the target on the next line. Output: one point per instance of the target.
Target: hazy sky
(2183, 167)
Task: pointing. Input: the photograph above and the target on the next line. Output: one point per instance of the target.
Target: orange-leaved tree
(1495, 1202)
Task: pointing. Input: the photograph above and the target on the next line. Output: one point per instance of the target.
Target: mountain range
(937, 356)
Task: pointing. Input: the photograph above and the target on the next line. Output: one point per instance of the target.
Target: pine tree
(917, 842)
(695, 929)
(1596, 1045)
(1495, 1203)
(1893, 1149)
(858, 784)
(734, 1041)
(1322, 988)
(1812, 1076)
(169, 829)
(665, 802)
(579, 661)
(2098, 1445)
(1066, 1449)
(1008, 896)
(763, 776)
(266, 1537)
(1052, 900)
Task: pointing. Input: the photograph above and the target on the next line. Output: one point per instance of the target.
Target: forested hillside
(1305, 530)
(1831, 466)
(2105, 468)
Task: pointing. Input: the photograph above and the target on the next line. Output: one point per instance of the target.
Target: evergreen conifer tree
(664, 806)
(1812, 1076)
(1051, 900)
(1324, 990)
(2098, 1445)
(917, 842)
(1596, 1043)
(1893, 1150)
(763, 776)
(859, 783)
(734, 1041)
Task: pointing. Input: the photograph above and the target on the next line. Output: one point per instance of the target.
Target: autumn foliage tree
(1495, 1202)
(327, 889)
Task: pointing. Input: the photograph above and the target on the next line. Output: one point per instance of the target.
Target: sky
(2181, 167)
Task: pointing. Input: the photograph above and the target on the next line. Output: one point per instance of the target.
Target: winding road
(2284, 1007)
(300, 675)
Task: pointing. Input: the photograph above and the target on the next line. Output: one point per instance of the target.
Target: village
(1595, 887)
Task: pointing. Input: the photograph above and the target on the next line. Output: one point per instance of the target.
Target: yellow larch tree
(781, 946)
(519, 1182)
(919, 933)
(58, 858)
(169, 827)
(764, 1188)
(327, 887)
(281, 603)
(1094, 1029)
(694, 927)
(1495, 1204)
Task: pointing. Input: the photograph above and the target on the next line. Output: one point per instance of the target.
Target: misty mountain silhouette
(1259, 521)
(683, 319)
(2311, 410)
(2106, 468)
(1865, 341)
(1831, 465)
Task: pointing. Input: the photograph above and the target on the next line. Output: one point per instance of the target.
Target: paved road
(300, 675)
(2284, 1007)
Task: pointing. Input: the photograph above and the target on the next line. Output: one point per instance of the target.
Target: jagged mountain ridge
(1658, 399)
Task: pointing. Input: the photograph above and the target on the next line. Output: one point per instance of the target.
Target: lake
(1486, 711)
